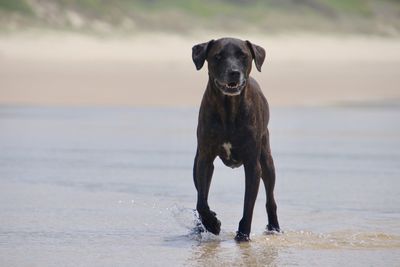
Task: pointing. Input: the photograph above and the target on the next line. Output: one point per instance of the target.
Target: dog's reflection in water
(230, 253)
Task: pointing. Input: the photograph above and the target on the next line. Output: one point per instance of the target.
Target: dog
(232, 125)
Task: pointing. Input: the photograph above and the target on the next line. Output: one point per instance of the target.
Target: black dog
(232, 124)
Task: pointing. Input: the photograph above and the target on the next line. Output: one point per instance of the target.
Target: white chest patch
(227, 147)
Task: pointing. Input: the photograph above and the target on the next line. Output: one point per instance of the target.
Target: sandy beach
(99, 103)
(98, 137)
(156, 70)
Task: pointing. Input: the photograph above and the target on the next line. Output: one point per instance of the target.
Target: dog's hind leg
(268, 176)
(194, 168)
(202, 173)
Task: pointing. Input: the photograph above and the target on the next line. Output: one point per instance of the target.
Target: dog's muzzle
(230, 89)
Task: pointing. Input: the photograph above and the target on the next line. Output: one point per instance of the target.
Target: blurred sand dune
(156, 70)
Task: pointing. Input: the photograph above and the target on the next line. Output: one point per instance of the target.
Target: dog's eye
(218, 56)
(240, 54)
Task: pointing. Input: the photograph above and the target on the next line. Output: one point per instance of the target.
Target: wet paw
(272, 230)
(241, 237)
(210, 222)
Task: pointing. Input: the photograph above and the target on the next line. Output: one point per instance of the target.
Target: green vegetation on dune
(178, 15)
(18, 6)
(208, 8)
(351, 6)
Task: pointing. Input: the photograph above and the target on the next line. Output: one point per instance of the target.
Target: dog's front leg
(203, 171)
(252, 171)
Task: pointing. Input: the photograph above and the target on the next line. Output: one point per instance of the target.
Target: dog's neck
(226, 106)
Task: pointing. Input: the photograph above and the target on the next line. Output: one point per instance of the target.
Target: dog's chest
(227, 149)
(229, 155)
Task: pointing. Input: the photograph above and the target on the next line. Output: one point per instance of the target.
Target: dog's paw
(241, 237)
(271, 230)
(210, 222)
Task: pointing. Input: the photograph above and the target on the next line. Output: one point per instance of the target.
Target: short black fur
(232, 125)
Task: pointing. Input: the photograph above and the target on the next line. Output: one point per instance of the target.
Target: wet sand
(156, 70)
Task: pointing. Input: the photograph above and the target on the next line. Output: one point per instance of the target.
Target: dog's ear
(199, 53)
(258, 54)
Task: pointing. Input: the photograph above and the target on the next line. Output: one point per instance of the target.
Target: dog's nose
(234, 75)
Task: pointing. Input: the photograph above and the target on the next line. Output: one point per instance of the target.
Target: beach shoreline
(69, 69)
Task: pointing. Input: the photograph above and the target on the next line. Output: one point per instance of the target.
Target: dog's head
(229, 62)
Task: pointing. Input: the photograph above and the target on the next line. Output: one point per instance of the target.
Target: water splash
(273, 232)
(190, 220)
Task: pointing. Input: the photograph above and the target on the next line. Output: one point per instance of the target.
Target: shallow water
(113, 187)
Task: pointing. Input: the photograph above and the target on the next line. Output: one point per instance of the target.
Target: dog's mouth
(230, 89)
